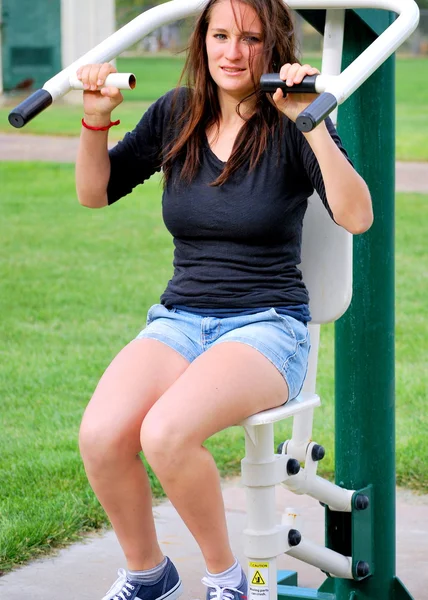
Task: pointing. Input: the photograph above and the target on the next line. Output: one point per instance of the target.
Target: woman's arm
(93, 163)
(347, 193)
(93, 166)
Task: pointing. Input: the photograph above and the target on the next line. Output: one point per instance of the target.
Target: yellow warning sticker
(258, 579)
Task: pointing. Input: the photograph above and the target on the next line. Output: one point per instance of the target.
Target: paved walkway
(410, 177)
(85, 571)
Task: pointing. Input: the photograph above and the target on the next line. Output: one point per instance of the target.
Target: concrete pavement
(410, 177)
(85, 571)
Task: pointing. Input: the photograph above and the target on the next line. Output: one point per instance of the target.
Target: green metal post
(365, 379)
(365, 421)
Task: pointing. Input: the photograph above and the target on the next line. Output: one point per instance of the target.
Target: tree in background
(126, 10)
(170, 37)
(137, 6)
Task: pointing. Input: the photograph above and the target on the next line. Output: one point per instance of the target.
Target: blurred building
(38, 38)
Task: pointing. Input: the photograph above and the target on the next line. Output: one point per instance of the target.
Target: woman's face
(233, 42)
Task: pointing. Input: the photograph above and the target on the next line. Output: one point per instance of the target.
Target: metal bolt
(361, 502)
(362, 568)
(293, 466)
(294, 537)
(318, 452)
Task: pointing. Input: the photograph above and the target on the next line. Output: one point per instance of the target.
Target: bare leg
(228, 383)
(110, 443)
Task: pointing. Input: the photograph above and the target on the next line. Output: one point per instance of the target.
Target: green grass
(412, 109)
(75, 288)
(412, 340)
(157, 75)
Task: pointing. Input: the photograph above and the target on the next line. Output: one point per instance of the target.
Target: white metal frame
(341, 86)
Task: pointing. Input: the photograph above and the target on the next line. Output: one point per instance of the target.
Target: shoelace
(120, 587)
(218, 593)
(125, 590)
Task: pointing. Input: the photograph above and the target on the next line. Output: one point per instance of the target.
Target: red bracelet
(105, 128)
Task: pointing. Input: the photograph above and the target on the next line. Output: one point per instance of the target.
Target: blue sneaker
(169, 587)
(214, 592)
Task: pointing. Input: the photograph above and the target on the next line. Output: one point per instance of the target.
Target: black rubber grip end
(316, 112)
(30, 108)
(270, 82)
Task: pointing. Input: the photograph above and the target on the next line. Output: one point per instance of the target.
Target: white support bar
(266, 543)
(309, 386)
(378, 52)
(261, 500)
(293, 519)
(301, 436)
(264, 539)
(313, 554)
(333, 47)
(301, 404)
(264, 474)
(122, 81)
(334, 496)
(325, 559)
(341, 86)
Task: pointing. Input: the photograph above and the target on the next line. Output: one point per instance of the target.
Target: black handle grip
(270, 82)
(316, 112)
(30, 108)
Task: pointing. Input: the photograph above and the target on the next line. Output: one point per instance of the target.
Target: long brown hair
(202, 109)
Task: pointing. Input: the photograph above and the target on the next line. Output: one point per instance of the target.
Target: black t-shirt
(237, 245)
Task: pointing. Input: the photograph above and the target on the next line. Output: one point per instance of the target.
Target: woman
(229, 338)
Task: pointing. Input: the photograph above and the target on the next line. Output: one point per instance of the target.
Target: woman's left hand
(293, 104)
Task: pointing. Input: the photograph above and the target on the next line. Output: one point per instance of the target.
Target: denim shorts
(280, 338)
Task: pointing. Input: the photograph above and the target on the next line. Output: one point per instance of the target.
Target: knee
(97, 448)
(103, 445)
(164, 447)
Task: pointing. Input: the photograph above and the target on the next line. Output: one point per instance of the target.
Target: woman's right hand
(98, 104)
